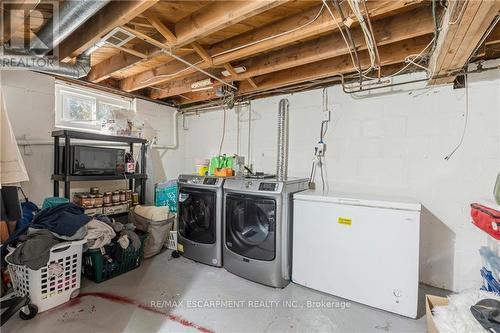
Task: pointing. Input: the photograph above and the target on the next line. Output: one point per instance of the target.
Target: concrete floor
(124, 304)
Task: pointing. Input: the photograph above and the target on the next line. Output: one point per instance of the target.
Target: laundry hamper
(98, 269)
(53, 284)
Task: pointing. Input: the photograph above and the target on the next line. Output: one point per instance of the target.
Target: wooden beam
(202, 53)
(216, 19)
(132, 52)
(120, 61)
(463, 25)
(252, 83)
(160, 74)
(230, 69)
(105, 68)
(218, 15)
(390, 54)
(297, 23)
(322, 24)
(146, 38)
(115, 14)
(161, 28)
(394, 29)
(14, 15)
(391, 30)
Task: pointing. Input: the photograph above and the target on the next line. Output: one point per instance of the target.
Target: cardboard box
(430, 302)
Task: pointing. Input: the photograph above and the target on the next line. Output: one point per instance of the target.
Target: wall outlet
(326, 115)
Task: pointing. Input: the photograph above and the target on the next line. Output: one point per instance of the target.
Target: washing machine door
(251, 226)
(197, 215)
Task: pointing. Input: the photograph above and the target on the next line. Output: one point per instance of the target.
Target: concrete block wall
(391, 142)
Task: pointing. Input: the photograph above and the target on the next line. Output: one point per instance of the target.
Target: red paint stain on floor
(127, 300)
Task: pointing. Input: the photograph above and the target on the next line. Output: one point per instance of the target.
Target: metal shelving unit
(68, 135)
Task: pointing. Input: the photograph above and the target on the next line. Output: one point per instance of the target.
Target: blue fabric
(63, 219)
(53, 201)
(29, 209)
(490, 283)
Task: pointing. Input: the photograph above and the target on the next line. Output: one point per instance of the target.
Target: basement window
(89, 109)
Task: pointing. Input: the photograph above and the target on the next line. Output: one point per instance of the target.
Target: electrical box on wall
(326, 115)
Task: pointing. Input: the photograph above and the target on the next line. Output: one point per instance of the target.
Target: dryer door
(251, 226)
(197, 215)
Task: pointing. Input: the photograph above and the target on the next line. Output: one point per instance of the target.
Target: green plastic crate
(97, 269)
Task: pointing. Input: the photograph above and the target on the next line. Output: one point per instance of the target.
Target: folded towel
(152, 212)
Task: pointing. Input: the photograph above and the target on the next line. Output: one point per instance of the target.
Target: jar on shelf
(107, 199)
(94, 190)
(92, 200)
(115, 198)
(128, 195)
(99, 200)
(84, 200)
(123, 196)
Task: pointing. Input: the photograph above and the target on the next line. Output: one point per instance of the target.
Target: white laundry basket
(172, 240)
(55, 283)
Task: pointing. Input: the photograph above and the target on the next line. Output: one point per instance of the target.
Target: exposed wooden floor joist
(464, 24)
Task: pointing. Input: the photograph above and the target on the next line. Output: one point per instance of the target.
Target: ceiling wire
(375, 47)
(354, 4)
(460, 15)
(466, 83)
(354, 63)
(274, 36)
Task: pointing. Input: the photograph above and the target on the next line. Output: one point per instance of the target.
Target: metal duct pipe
(282, 163)
(47, 65)
(71, 15)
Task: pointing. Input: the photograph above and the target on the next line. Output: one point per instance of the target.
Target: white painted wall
(391, 143)
(30, 104)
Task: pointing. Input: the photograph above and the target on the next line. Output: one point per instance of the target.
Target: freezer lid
(358, 199)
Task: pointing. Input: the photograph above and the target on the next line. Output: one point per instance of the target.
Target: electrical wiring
(341, 32)
(354, 4)
(410, 62)
(272, 37)
(372, 34)
(223, 129)
(170, 75)
(349, 36)
(460, 15)
(318, 160)
(466, 82)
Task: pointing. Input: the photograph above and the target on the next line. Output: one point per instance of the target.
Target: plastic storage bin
(55, 283)
(98, 269)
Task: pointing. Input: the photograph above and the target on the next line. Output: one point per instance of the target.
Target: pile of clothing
(112, 237)
(68, 222)
(65, 222)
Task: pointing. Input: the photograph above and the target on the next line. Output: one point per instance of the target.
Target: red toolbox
(486, 219)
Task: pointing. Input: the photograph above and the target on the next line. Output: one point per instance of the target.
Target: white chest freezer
(359, 248)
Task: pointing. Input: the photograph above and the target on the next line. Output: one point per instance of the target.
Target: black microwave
(87, 160)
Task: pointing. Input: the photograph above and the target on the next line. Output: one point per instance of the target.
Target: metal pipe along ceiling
(72, 15)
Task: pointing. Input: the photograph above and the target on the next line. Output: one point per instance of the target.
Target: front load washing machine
(257, 228)
(199, 214)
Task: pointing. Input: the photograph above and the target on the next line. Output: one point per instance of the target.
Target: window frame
(64, 90)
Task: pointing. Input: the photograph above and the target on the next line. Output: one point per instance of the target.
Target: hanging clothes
(12, 168)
